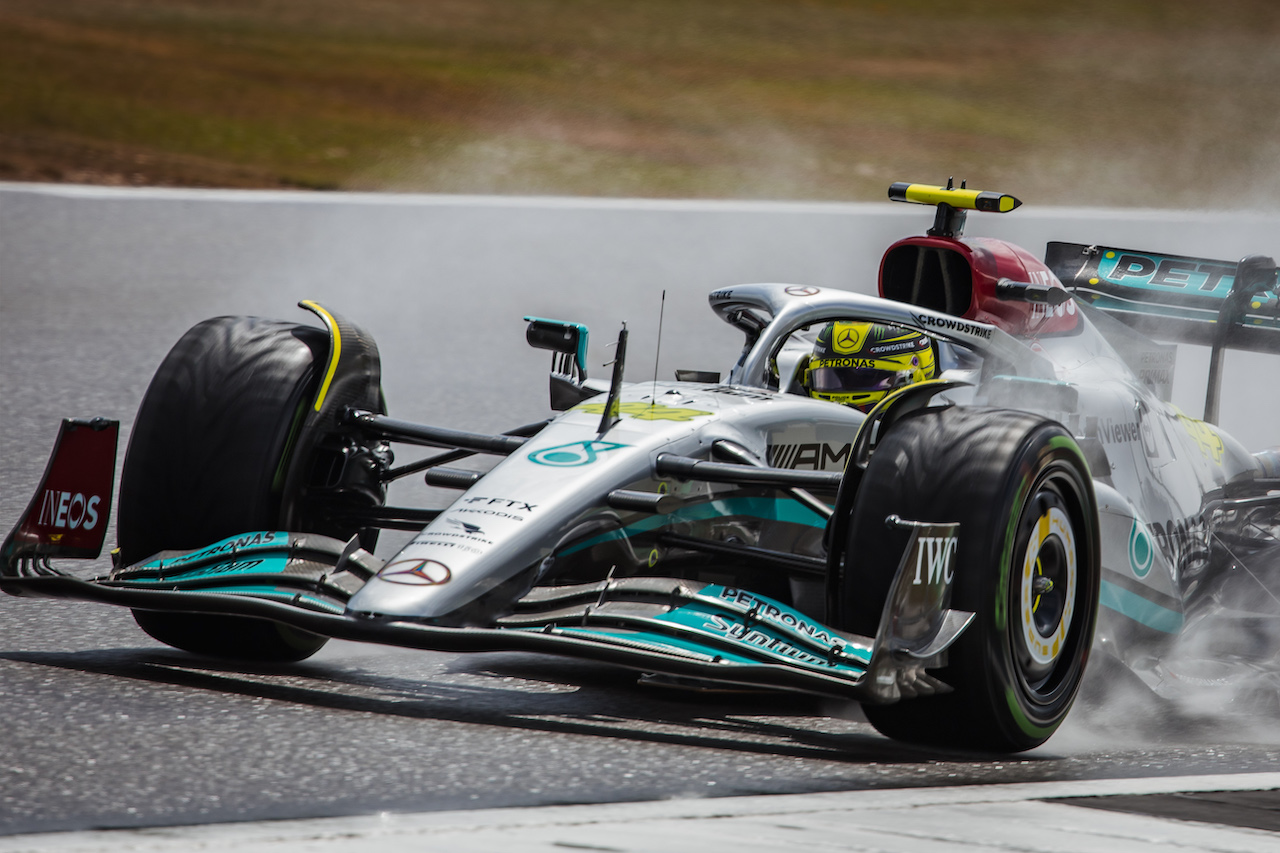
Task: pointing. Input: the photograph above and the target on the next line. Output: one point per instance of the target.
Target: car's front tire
(1027, 564)
(211, 455)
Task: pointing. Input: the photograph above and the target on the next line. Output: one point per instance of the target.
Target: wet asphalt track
(101, 727)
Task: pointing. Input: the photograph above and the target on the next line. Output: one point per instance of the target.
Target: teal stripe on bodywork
(267, 592)
(732, 625)
(766, 509)
(1139, 609)
(273, 593)
(675, 644)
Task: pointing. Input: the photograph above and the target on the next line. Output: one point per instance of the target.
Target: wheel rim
(1045, 592)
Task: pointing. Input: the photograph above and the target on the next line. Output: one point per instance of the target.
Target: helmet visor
(843, 380)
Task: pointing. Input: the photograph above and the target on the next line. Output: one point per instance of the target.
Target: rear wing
(1176, 298)
(1218, 304)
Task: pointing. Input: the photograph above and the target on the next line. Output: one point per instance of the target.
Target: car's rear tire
(1021, 491)
(210, 455)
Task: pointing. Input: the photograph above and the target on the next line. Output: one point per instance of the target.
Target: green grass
(1159, 103)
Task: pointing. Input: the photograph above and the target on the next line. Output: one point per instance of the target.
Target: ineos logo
(67, 510)
(416, 573)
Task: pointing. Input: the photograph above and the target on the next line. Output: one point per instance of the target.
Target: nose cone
(408, 586)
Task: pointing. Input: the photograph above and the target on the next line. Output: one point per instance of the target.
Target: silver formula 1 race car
(943, 558)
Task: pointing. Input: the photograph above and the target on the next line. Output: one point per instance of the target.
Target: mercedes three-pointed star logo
(416, 573)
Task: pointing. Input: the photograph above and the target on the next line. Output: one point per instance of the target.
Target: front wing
(655, 625)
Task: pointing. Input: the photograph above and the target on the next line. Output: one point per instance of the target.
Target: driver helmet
(857, 364)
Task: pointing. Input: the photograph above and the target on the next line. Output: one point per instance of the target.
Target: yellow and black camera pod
(952, 203)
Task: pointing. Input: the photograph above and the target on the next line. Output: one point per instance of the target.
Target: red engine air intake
(959, 276)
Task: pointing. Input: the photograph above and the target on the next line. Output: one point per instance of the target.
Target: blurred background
(1147, 103)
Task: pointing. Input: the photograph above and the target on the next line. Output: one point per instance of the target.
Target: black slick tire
(208, 457)
(1028, 564)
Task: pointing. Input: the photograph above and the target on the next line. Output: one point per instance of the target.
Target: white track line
(394, 199)
(969, 818)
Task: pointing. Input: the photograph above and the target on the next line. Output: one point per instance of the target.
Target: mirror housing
(568, 342)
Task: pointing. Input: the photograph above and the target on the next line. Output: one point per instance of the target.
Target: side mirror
(568, 342)
(567, 339)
